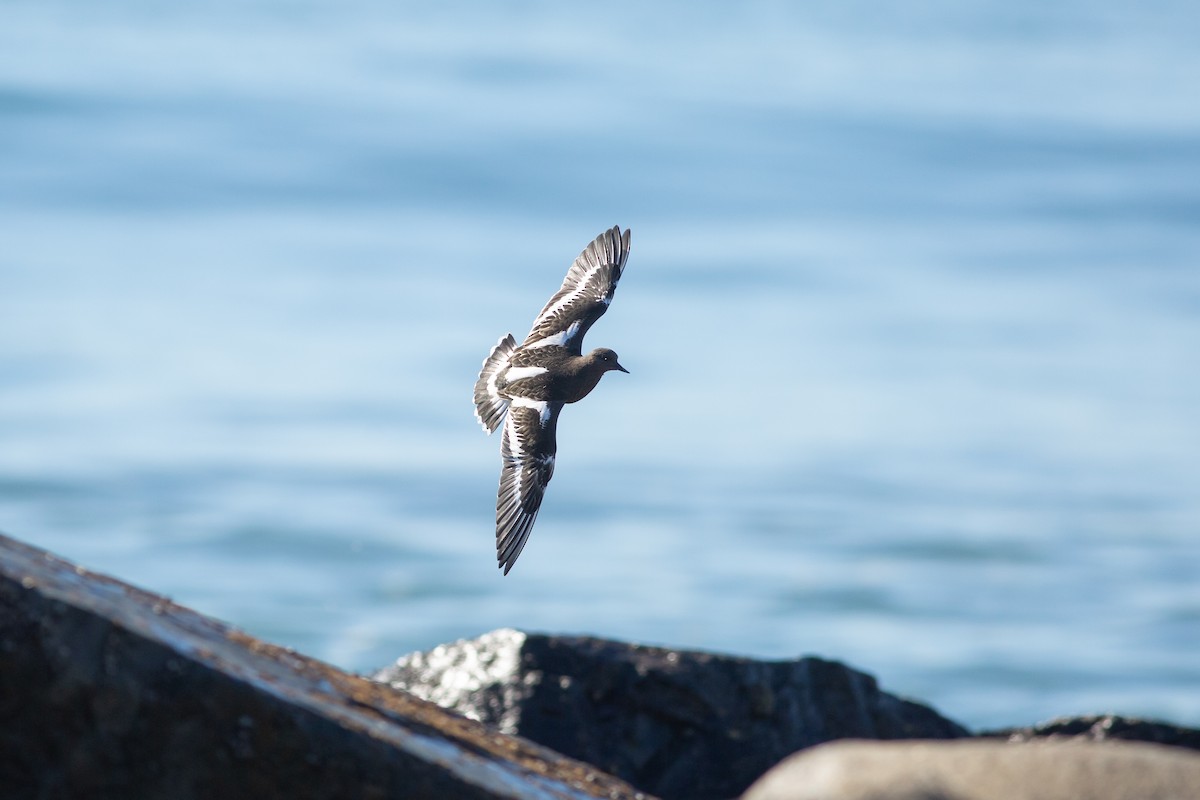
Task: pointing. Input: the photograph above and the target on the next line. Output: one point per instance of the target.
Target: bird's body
(531, 383)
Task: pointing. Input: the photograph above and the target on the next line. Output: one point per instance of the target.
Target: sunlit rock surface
(984, 770)
(107, 691)
(678, 724)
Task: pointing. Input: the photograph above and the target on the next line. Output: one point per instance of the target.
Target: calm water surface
(912, 316)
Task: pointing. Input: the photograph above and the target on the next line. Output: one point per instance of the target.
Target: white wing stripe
(568, 298)
(513, 438)
(559, 339)
(517, 373)
(540, 406)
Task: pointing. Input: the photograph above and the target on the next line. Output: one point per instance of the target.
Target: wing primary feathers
(585, 293)
(527, 449)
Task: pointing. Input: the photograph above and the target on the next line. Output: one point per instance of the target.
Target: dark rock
(107, 691)
(675, 723)
(984, 770)
(1100, 728)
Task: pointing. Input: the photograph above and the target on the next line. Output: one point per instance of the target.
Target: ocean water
(912, 317)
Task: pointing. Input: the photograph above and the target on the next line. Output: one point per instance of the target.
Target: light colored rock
(983, 770)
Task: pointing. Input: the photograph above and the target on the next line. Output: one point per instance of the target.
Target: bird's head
(608, 359)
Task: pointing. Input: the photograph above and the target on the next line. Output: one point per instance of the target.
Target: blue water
(912, 317)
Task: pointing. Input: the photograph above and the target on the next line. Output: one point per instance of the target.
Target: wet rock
(107, 691)
(983, 770)
(678, 724)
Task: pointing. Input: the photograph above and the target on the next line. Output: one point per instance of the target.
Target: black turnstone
(533, 381)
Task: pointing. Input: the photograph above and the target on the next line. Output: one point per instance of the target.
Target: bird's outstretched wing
(585, 294)
(527, 448)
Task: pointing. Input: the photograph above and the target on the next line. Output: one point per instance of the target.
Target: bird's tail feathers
(490, 406)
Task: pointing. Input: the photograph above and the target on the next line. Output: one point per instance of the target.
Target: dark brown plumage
(531, 383)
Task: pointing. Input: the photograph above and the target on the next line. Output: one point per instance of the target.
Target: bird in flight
(532, 381)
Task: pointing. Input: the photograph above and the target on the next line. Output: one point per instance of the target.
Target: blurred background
(912, 317)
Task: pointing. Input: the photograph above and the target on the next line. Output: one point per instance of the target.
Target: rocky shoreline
(687, 725)
(110, 691)
(676, 723)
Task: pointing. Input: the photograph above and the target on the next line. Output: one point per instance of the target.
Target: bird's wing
(585, 294)
(527, 448)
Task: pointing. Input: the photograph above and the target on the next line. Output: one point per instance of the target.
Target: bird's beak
(617, 365)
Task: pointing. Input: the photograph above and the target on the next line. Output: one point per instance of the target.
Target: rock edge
(108, 691)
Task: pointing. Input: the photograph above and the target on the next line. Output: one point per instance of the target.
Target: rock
(675, 723)
(107, 691)
(1101, 728)
(983, 770)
